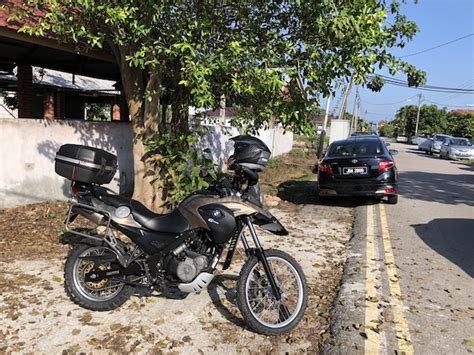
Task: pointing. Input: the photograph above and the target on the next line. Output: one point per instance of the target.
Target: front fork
(260, 253)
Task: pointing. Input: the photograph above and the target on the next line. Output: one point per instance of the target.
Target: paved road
(409, 280)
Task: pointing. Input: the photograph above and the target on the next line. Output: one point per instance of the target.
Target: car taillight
(325, 168)
(385, 165)
(389, 190)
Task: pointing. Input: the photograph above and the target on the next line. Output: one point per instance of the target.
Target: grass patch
(296, 165)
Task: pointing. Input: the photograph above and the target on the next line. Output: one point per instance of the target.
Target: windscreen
(460, 141)
(365, 148)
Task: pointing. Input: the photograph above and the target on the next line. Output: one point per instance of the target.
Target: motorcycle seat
(173, 222)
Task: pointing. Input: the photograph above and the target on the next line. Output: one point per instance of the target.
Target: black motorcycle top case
(85, 164)
(220, 220)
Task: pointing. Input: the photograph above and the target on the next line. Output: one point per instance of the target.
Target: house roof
(462, 111)
(46, 52)
(57, 79)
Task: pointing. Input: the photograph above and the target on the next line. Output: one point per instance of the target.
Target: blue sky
(439, 21)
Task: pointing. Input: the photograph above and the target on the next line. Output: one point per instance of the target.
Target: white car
(417, 140)
(438, 140)
(457, 148)
(402, 139)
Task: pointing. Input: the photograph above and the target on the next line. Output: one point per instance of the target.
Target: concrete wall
(217, 137)
(28, 148)
(339, 130)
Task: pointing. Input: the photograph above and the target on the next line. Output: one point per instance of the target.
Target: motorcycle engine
(187, 264)
(188, 269)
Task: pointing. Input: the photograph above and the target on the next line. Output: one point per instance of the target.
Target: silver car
(438, 140)
(457, 148)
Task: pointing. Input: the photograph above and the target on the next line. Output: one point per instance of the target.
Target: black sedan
(358, 166)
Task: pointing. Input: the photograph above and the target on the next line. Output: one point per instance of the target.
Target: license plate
(354, 171)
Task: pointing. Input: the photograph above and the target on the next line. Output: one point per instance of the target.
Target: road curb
(348, 309)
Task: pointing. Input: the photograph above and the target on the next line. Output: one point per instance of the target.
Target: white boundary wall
(28, 148)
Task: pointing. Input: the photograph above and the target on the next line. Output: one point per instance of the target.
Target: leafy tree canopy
(195, 51)
(433, 120)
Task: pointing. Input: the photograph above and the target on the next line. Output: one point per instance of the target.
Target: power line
(400, 82)
(437, 103)
(438, 46)
(389, 103)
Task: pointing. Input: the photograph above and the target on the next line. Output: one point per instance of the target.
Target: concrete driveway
(408, 285)
(37, 317)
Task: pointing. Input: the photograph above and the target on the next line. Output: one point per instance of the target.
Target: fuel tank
(190, 206)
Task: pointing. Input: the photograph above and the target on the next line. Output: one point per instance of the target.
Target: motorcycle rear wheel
(100, 296)
(255, 299)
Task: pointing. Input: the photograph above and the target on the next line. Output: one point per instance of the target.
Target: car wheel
(392, 199)
(440, 155)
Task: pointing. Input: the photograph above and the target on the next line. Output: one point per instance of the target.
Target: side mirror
(393, 151)
(387, 144)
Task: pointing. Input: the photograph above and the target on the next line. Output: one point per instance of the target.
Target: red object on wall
(48, 105)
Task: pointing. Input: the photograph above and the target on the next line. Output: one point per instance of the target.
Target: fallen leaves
(468, 342)
(86, 318)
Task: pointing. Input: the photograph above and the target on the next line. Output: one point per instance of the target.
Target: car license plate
(354, 171)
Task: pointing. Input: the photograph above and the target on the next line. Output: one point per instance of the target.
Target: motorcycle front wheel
(257, 303)
(104, 295)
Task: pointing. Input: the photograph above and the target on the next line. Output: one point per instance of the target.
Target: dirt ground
(36, 315)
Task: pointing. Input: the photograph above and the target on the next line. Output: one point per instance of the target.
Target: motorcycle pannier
(85, 164)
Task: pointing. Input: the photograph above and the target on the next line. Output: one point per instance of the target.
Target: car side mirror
(393, 151)
(387, 144)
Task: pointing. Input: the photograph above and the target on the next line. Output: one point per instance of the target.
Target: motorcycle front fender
(267, 221)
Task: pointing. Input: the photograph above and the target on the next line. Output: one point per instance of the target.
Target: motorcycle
(179, 251)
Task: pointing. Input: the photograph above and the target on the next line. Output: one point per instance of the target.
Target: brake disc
(95, 285)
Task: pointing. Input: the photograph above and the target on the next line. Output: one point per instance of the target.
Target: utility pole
(346, 96)
(326, 116)
(355, 111)
(420, 99)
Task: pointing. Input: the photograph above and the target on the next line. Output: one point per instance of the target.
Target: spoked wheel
(257, 302)
(102, 295)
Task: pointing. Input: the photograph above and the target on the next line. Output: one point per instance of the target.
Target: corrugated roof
(64, 80)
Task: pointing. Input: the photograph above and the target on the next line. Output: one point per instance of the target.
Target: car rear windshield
(365, 148)
(460, 141)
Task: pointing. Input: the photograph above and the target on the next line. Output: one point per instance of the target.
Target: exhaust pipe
(91, 216)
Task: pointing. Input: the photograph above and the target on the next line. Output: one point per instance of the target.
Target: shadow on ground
(306, 192)
(228, 284)
(451, 238)
(437, 187)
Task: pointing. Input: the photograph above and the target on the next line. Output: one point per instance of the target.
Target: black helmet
(249, 152)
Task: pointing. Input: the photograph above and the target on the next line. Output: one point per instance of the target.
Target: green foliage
(461, 124)
(183, 167)
(98, 112)
(433, 120)
(247, 50)
(387, 130)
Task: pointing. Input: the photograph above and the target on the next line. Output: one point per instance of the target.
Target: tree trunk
(144, 118)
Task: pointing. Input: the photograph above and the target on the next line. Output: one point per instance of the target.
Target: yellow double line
(372, 342)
